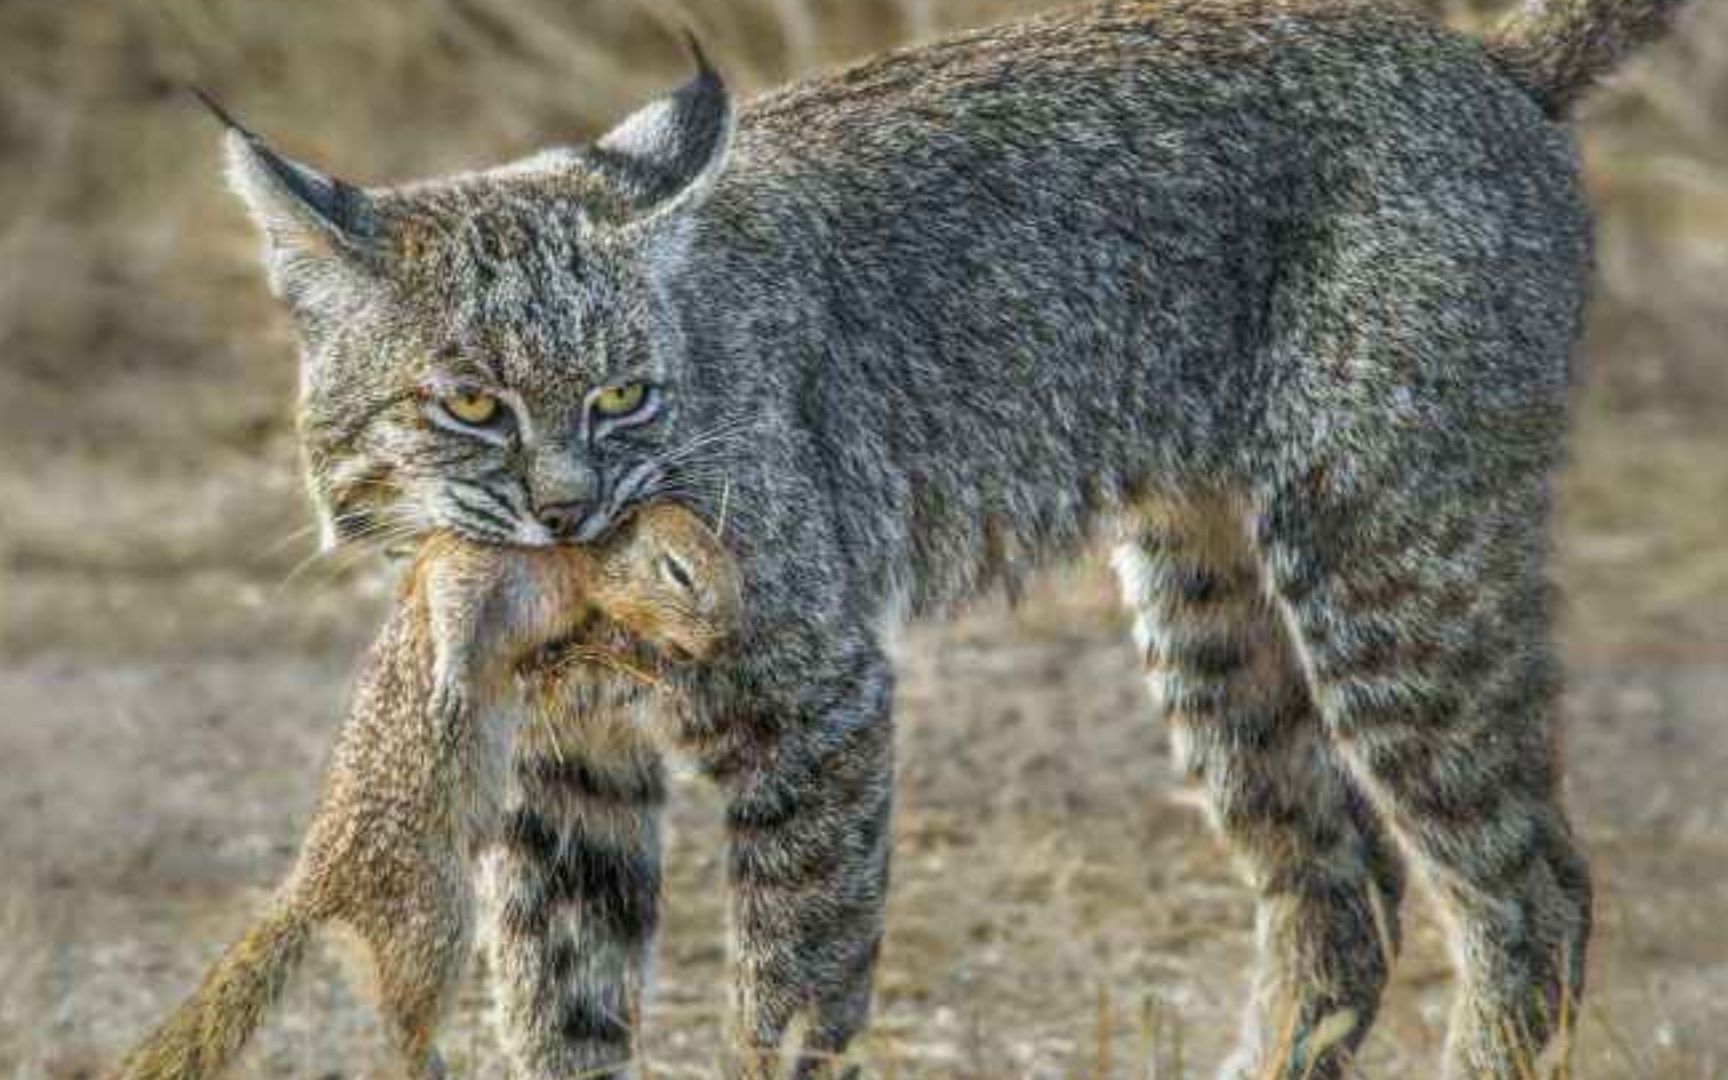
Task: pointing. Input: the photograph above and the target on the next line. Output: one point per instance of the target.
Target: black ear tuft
(699, 54)
(222, 115)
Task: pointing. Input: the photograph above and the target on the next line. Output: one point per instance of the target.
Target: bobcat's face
(496, 379)
(480, 354)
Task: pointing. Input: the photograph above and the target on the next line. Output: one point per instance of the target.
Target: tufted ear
(668, 153)
(309, 219)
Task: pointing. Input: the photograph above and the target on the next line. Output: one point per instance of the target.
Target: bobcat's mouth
(360, 507)
(635, 487)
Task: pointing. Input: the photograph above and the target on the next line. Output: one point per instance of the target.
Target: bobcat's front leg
(573, 902)
(808, 823)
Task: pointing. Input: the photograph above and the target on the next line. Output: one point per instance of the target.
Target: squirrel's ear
(307, 216)
(668, 153)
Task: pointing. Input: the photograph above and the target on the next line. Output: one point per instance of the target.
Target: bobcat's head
(491, 353)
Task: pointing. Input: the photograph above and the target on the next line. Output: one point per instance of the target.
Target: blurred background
(174, 657)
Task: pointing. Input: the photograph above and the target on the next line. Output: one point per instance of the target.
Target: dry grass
(169, 681)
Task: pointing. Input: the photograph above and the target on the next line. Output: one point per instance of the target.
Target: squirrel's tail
(1559, 49)
(212, 1025)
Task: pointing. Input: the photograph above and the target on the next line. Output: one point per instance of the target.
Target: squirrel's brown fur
(416, 782)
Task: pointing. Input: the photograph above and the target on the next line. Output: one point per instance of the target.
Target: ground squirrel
(481, 641)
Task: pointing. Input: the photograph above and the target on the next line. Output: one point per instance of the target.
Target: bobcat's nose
(562, 520)
(563, 489)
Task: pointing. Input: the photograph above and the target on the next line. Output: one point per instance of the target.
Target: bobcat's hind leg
(1244, 729)
(1423, 613)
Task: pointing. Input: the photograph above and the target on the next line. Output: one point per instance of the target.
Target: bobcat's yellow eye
(620, 400)
(475, 408)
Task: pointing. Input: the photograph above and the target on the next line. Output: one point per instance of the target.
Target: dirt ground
(173, 664)
(1058, 908)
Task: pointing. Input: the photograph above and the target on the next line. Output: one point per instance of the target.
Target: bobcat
(1284, 290)
(417, 791)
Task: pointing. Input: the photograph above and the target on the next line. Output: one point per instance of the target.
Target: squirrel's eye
(620, 400)
(473, 408)
(674, 571)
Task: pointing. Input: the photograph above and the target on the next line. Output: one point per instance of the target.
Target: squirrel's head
(491, 353)
(661, 587)
(667, 579)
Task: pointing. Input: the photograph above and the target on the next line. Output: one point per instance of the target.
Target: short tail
(1559, 49)
(211, 1027)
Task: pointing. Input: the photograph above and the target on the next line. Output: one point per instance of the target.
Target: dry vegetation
(172, 668)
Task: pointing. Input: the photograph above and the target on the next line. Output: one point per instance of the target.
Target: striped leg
(574, 892)
(1424, 620)
(1244, 730)
(809, 830)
